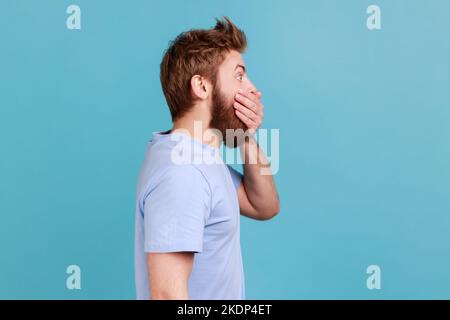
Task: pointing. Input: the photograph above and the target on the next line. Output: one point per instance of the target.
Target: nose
(250, 87)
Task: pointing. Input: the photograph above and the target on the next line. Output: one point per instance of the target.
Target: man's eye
(240, 77)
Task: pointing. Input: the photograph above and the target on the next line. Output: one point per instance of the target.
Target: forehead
(232, 59)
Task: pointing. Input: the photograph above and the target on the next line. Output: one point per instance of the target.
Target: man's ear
(201, 87)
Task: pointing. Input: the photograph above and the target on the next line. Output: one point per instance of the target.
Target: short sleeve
(235, 176)
(176, 211)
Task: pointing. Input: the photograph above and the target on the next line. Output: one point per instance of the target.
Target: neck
(198, 128)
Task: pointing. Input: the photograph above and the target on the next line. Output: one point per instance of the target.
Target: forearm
(258, 180)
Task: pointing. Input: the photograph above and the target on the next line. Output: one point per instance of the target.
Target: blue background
(364, 153)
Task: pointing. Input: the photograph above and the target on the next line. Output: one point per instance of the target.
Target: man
(187, 242)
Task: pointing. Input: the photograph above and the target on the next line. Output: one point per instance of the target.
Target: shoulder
(176, 184)
(183, 174)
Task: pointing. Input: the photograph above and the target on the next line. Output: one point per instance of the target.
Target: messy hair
(196, 52)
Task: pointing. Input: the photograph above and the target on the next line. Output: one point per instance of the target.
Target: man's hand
(249, 109)
(258, 197)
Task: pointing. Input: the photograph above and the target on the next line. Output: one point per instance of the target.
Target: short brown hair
(196, 52)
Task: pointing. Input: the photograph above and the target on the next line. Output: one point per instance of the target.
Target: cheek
(229, 95)
(231, 87)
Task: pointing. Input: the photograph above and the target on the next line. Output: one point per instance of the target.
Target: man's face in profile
(231, 77)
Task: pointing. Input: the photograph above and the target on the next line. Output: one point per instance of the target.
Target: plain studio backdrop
(364, 155)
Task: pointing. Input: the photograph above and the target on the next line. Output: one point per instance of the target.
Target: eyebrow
(240, 66)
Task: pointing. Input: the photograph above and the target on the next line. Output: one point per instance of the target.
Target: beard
(223, 117)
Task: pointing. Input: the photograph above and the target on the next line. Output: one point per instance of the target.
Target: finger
(248, 112)
(254, 96)
(246, 120)
(257, 108)
(260, 107)
(252, 105)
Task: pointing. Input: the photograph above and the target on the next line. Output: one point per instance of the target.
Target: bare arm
(258, 196)
(169, 274)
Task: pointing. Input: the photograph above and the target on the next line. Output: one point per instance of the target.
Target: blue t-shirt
(189, 206)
